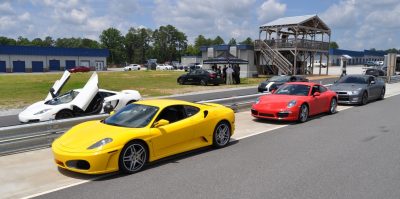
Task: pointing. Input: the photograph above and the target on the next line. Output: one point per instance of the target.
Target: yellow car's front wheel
(133, 157)
(222, 134)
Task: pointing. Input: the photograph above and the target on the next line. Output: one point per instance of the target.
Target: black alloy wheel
(64, 114)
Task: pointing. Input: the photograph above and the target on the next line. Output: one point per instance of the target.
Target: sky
(355, 24)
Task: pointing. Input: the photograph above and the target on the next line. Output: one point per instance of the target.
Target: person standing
(229, 73)
(224, 73)
(237, 73)
(219, 71)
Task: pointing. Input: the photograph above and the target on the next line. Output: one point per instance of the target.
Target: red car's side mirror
(316, 94)
(273, 91)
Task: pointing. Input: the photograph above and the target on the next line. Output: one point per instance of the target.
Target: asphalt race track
(351, 154)
(12, 120)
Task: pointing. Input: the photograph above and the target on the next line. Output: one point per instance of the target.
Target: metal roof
(52, 51)
(297, 20)
(289, 20)
(357, 53)
(224, 47)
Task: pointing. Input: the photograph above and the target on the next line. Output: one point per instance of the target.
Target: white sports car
(132, 67)
(88, 100)
(164, 67)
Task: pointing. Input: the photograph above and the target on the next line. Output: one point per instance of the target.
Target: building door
(37, 66)
(99, 65)
(69, 64)
(54, 64)
(3, 67)
(18, 66)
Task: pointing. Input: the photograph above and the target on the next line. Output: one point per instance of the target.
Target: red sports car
(295, 102)
(77, 69)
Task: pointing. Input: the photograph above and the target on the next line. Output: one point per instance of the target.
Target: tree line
(165, 43)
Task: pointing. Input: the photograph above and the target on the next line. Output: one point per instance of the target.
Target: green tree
(169, 43)
(112, 39)
(232, 41)
(218, 41)
(192, 50)
(22, 41)
(48, 41)
(89, 43)
(333, 45)
(37, 42)
(247, 41)
(392, 50)
(7, 41)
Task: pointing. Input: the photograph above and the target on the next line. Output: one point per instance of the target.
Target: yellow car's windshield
(132, 116)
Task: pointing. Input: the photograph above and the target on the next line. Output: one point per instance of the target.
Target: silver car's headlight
(291, 103)
(42, 111)
(100, 143)
(356, 92)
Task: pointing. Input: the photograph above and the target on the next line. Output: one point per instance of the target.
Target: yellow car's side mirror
(160, 123)
(112, 112)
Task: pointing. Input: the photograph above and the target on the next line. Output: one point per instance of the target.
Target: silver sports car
(359, 89)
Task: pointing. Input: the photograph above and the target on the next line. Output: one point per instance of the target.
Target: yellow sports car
(143, 132)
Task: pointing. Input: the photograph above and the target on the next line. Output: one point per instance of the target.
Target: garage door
(18, 66)
(54, 65)
(85, 63)
(2, 66)
(37, 66)
(69, 64)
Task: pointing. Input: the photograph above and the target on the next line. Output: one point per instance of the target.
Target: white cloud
(341, 15)
(124, 7)
(6, 8)
(270, 10)
(364, 24)
(207, 17)
(24, 17)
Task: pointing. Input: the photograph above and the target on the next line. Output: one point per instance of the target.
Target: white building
(43, 59)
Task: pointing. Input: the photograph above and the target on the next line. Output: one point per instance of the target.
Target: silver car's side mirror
(372, 82)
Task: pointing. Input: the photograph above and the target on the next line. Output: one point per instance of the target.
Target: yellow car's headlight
(100, 143)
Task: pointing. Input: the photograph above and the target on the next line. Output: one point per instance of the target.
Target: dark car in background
(369, 63)
(274, 82)
(78, 69)
(359, 89)
(201, 76)
(375, 72)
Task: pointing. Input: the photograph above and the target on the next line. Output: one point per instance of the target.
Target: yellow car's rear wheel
(222, 134)
(133, 157)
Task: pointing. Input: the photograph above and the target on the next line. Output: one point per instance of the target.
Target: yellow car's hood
(82, 136)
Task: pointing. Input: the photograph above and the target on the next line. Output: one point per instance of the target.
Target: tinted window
(322, 89)
(279, 79)
(353, 79)
(172, 114)
(132, 115)
(191, 110)
(293, 89)
(106, 94)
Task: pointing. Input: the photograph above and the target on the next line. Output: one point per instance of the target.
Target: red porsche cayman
(295, 101)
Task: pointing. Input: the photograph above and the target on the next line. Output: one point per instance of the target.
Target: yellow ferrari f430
(143, 132)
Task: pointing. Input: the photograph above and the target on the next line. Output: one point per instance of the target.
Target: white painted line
(67, 186)
(261, 132)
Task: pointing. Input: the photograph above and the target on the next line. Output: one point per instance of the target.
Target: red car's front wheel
(303, 113)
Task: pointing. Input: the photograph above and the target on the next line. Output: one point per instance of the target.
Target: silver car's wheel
(303, 115)
(364, 99)
(222, 134)
(133, 157)
(333, 107)
(382, 96)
